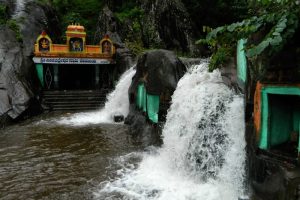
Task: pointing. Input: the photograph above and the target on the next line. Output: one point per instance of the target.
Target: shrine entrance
(77, 77)
(74, 75)
(74, 65)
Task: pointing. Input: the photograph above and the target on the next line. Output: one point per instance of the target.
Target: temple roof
(75, 28)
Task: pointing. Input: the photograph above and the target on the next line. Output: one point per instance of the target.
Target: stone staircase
(74, 100)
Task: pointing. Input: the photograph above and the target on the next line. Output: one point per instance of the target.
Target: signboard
(77, 61)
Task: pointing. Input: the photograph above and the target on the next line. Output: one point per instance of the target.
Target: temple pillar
(40, 72)
(97, 78)
(56, 80)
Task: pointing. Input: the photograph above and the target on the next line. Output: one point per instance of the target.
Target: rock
(142, 131)
(18, 79)
(160, 70)
(107, 25)
(164, 24)
(118, 117)
(34, 19)
(15, 90)
(168, 23)
(10, 5)
(188, 62)
(124, 59)
(229, 76)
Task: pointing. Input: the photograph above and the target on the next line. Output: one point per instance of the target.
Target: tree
(270, 25)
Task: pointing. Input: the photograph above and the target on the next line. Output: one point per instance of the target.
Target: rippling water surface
(41, 159)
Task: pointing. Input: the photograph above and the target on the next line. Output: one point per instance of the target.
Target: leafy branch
(267, 33)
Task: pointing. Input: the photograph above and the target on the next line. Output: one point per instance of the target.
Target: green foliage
(136, 47)
(134, 13)
(78, 11)
(220, 57)
(267, 33)
(3, 14)
(214, 13)
(13, 25)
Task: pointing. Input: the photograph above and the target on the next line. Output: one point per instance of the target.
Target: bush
(3, 14)
(12, 24)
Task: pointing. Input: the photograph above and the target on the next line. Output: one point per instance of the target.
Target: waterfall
(203, 154)
(117, 102)
(19, 8)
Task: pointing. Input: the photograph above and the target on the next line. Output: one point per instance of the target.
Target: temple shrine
(74, 65)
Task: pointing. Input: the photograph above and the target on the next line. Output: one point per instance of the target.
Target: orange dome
(76, 27)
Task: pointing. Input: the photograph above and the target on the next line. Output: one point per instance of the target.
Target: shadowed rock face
(166, 24)
(160, 71)
(107, 25)
(18, 80)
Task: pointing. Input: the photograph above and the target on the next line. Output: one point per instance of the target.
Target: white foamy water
(203, 153)
(117, 102)
(19, 7)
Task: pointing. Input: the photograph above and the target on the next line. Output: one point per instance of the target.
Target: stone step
(74, 99)
(72, 93)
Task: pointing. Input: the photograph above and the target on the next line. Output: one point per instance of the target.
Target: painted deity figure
(76, 44)
(106, 46)
(44, 45)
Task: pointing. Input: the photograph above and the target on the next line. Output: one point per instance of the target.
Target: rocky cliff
(18, 82)
(160, 71)
(152, 24)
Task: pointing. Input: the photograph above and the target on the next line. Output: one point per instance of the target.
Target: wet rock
(15, 90)
(18, 79)
(172, 22)
(160, 71)
(10, 5)
(107, 25)
(163, 24)
(272, 188)
(143, 131)
(229, 75)
(118, 117)
(188, 62)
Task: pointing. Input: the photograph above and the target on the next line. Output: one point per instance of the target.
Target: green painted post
(263, 143)
(55, 72)
(299, 138)
(97, 78)
(241, 61)
(140, 96)
(144, 99)
(40, 73)
(153, 107)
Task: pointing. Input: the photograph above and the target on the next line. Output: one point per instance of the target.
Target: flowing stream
(63, 155)
(117, 102)
(203, 152)
(87, 156)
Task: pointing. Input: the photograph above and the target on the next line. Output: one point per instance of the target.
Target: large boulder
(15, 90)
(18, 79)
(160, 71)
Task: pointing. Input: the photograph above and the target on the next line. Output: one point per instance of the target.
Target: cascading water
(117, 102)
(19, 7)
(203, 155)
